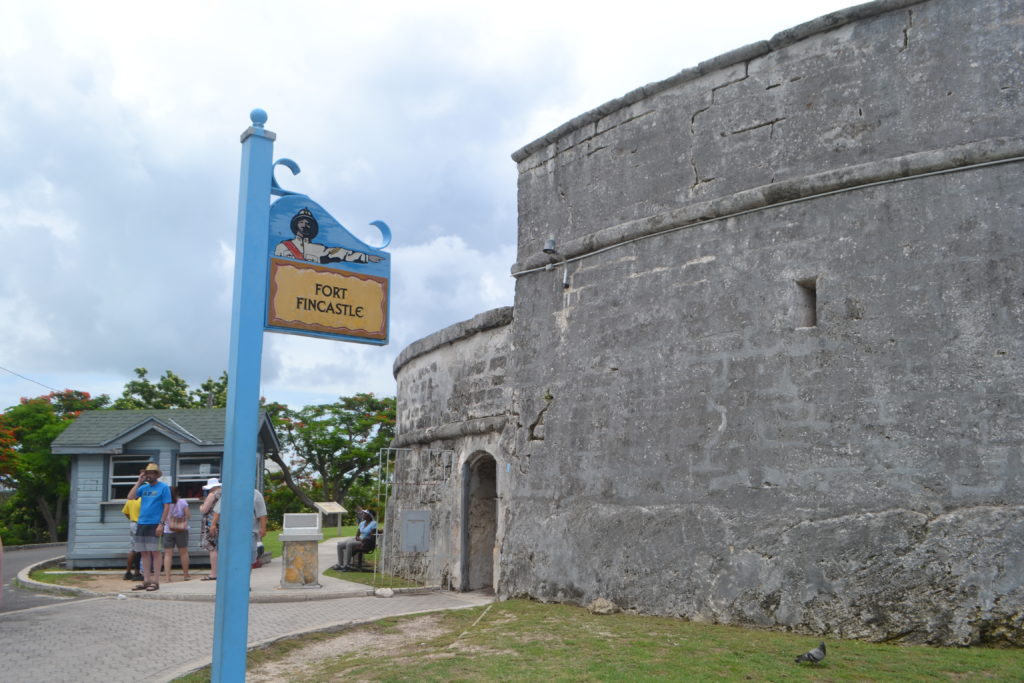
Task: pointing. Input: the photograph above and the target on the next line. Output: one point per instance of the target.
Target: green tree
(335, 444)
(38, 477)
(37, 509)
(213, 393)
(171, 391)
(281, 499)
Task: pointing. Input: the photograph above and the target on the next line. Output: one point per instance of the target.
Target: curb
(262, 598)
(23, 581)
(32, 546)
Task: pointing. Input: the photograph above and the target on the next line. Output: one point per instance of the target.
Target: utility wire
(29, 379)
(757, 209)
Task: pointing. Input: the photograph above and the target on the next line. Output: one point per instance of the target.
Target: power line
(29, 379)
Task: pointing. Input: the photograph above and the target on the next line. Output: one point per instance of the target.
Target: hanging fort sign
(324, 281)
(297, 270)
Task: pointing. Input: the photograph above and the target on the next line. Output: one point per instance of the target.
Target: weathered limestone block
(602, 606)
(299, 564)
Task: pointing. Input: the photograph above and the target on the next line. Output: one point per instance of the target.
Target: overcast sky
(119, 161)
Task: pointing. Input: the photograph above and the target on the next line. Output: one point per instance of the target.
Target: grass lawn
(525, 641)
(371, 579)
(70, 578)
(272, 543)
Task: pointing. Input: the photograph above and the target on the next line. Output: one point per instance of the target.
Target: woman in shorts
(176, 538)
(208, 536)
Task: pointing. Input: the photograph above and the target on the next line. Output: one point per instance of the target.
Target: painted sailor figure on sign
(324, 281)
(305, 228)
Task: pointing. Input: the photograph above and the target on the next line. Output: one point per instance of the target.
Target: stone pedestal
(299, 562)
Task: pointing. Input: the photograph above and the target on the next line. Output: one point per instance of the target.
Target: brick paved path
(100, 639)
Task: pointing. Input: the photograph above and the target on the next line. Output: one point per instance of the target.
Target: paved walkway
(99, 639)
(265, 583)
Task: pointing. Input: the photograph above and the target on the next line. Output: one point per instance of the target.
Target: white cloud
(119, 124)
(33, 209)
(445, 281)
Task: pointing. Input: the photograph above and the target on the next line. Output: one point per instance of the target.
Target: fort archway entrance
(479, 521)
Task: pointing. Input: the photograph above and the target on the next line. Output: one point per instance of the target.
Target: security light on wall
(550, 250)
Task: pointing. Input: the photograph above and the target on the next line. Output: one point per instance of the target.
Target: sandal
(208, 578)
(140, 587)
(187, 578)
(152, 587)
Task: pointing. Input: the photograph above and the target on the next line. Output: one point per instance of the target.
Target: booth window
(124, 472)
(193, 471)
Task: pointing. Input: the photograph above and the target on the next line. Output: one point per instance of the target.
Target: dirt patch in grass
(303, 663)
(464, 648)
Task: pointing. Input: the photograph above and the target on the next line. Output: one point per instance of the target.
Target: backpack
(176, 523)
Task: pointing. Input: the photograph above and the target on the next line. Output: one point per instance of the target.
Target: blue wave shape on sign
(303, 230)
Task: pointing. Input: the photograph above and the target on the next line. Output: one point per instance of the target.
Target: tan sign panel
(330, 507)
(311, 298)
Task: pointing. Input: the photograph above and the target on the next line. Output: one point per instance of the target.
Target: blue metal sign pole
(231, 622)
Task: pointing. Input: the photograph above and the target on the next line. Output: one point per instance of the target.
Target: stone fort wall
(782, 386)
(453, 408)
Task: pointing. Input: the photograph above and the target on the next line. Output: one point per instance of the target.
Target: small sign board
(330, 508)
(301, 520)
(324, 281)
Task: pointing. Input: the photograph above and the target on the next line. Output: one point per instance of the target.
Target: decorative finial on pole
(258, 118)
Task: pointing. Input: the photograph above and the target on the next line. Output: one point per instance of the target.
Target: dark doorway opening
(479, 521)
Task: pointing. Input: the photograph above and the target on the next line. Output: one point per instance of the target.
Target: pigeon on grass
(814, 656)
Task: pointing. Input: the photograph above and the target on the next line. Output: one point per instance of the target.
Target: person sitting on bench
(365, 540)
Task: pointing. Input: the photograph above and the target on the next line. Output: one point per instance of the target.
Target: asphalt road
(12, 598)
